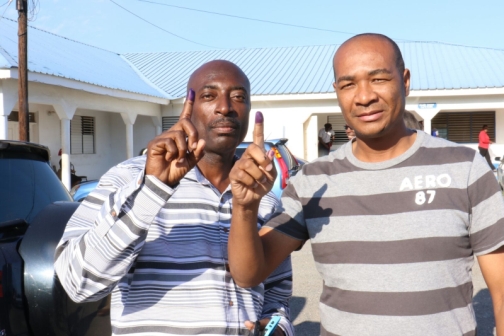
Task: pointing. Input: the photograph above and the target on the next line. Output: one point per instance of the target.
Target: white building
(101, 107)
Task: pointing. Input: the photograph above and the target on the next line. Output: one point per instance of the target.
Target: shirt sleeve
(278, 286)
(486, 228)
(289, 216)
(107, 231)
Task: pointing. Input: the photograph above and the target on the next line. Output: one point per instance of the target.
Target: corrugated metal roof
(58, 56)
(301, 70)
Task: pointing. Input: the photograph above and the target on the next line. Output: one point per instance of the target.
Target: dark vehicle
(286, 164)
(34, 209)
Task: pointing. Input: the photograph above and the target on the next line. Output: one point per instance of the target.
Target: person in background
(435, 132)
(350, 133)
(324, 139)
(484, 144)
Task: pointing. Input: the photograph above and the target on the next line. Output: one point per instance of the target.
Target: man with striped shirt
(155, 231)
(395, 216)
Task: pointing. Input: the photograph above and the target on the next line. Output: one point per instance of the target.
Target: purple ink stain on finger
(259, 117)
(191, 94)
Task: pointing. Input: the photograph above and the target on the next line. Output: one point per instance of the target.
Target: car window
(289, 159)
(239, 152)
(26, 187)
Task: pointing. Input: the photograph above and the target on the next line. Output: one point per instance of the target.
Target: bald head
(369, 38)
(213, 69)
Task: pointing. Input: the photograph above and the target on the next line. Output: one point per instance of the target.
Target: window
(464, 127)
(82, 135)
(168, 122)
(14, 116)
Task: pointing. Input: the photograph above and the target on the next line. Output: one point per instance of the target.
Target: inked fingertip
(259, 118)
(190, 95)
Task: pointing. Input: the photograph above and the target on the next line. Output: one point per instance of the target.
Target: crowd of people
(189, 240)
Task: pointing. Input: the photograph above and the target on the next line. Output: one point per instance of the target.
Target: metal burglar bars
(168, 122)
(464, 127)
(82, 135)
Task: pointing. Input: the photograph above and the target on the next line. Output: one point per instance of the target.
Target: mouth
(370, 116)
(225, 128)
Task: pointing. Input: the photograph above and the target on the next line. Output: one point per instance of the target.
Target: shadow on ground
(305, 328)
(484, 313)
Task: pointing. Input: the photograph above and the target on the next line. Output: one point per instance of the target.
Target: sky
(130, 25)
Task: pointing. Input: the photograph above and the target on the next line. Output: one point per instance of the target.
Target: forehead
(219, 75)
(364, 54)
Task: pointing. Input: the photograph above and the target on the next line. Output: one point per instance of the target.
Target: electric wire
(166, 31)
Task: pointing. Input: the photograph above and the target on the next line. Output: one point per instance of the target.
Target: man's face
(221, 105)
(371, 91)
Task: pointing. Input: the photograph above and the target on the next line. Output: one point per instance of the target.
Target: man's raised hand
(253, 175)
(176, 151)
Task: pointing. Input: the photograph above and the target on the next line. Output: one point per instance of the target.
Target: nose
(224, 105)
(365, 94)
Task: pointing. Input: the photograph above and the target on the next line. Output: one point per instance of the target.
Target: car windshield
(27, 187)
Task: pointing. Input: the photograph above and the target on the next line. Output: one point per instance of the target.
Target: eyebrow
(379, 71)
(370, 73)
(233, 88)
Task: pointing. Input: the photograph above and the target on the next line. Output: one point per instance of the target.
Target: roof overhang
(77, 85)
(413, 93)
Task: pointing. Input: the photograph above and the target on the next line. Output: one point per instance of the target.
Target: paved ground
(308, 286)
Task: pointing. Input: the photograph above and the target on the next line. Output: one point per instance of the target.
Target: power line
(166, 31)
(7, 3)
(250, 19)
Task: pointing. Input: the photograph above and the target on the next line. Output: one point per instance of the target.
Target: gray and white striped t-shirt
(395, 241)
(163, 254)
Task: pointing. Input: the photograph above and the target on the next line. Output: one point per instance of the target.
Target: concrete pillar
(129, 120)
(66, 113)
(311, 138)
(427, 114)
(158, 123)
(65, 153)
(8, 99)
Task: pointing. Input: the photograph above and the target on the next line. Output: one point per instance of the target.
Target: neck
(385, 147)
(216, 168)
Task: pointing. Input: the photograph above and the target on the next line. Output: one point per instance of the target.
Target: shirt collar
(195, 175)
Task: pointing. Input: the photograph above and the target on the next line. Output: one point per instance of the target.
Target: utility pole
(24, 120)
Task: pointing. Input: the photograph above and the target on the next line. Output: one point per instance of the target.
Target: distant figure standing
(484, 143)
(435, 132)
(350, 133)
(324, 139)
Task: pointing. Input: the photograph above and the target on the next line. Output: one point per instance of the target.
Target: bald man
(395, 216)
(155, 231)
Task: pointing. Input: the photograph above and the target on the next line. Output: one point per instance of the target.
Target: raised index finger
(188, 105)
(259, 130)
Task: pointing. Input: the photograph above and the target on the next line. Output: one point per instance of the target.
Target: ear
(406, 79)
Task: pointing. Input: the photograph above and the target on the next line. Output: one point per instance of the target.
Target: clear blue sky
(103, 24)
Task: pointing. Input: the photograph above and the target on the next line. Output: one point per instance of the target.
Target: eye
(346, 86)
(206, 96)
(379, 80)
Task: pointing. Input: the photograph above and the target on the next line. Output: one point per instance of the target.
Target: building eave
(77, 85)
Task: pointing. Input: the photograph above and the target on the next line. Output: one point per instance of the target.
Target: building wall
(143, 132)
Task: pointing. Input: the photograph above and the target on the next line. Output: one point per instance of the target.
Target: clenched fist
(176, 151)
(253, 175)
